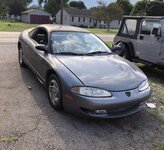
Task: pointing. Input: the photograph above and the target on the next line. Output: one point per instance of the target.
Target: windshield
(77, 43)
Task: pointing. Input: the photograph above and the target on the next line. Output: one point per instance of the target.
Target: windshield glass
(77, 43)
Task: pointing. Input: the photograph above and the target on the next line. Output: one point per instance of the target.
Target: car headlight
(91, 92)
(144, 85)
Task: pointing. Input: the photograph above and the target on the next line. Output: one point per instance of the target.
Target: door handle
(141, 37)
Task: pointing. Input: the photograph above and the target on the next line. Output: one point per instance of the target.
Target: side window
(148, 25)
(40, 36)
(129, 27)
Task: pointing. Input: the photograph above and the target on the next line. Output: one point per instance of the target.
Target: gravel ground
(27, 122)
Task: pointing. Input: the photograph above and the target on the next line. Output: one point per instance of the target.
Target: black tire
(20, 57)
(125, 52)
(54, 92)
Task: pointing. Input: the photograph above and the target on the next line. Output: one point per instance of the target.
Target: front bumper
(118, 105)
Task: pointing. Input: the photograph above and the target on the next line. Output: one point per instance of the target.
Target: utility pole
(61, 15)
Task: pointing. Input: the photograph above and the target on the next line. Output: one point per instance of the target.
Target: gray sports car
(81, 74)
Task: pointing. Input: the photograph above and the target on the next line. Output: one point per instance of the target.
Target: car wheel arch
(49, 73)
(19, 45)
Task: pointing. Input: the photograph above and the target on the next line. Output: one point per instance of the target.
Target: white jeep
(142, 39)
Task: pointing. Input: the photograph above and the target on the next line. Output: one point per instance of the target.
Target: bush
(83, 26)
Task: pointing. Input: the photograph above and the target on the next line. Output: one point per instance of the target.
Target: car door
(149, 45)
(37, 57)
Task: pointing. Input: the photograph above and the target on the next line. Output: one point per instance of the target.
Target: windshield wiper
(68, 53)
(98, 52)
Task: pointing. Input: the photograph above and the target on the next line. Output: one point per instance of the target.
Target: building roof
(28, 11)
(33, 10)
(54, 27)
(78, 12)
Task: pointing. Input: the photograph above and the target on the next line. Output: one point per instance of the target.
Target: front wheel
(54, 92)
(20, 57)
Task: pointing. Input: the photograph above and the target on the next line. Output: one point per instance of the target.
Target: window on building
(79, 19)
(72, 19)
(90, 20)
(83, 19)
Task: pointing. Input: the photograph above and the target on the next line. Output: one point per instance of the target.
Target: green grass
(8, 139)
(7, 26)
(159, 146)
(103, 31)
(162, 101)
(109, 43)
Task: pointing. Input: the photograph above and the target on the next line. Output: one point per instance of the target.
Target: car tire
(20, 57)
(54, 92)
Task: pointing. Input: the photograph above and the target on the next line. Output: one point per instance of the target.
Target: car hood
(109, 72)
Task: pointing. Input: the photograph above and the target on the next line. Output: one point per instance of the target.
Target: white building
(76, 17)
(82, 17)
(35, 16)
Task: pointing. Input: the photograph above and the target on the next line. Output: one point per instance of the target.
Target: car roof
(54, 27)
(143, 17)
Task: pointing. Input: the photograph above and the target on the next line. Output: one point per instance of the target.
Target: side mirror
(41, 47)
(155, 32)
(117, 49)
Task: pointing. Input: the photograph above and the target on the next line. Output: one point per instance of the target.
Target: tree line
(103, 11)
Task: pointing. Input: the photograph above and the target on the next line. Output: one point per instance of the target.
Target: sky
(91, 3)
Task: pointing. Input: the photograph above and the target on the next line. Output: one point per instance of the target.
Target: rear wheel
(20, 57)
(54, 92)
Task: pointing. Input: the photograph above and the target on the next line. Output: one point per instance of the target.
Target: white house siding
(115, 24)
(67, 20)
(84, 22)
(25, 18)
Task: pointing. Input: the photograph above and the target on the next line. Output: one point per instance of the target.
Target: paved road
(26, 116)
(13, 36)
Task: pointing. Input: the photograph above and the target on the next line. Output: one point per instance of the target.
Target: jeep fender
(130, 48)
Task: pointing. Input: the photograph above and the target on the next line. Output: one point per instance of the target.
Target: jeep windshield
(77, 43)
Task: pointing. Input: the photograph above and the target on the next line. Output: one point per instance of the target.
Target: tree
(113, 12)
(3, 7)
(53, 6)
(35, 7)
(16, 7)
(155, 8)
(77, 4)
(13, 7)
(99, 11)
(125, 5)
(139, 8)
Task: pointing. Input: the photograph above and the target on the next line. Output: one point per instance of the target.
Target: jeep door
(149, 44)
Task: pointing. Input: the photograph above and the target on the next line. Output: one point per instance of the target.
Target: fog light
(100, 111)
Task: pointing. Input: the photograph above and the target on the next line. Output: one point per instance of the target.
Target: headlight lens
(144, 85)
(91, 92)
